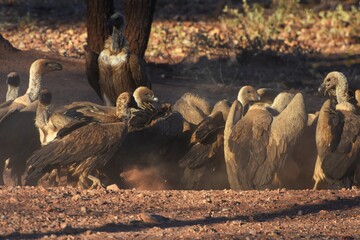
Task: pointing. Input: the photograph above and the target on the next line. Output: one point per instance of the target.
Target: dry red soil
(68, 213)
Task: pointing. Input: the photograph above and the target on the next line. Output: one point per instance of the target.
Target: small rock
(152, 218)
(113, 187)
(76, 197)
(13, 200)
(84, 210)
(300, 213)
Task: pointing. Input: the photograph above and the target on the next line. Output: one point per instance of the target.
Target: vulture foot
(96, 182)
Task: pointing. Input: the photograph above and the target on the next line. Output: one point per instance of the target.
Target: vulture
(13, 82)
(119, 69)
(337, 135)
(82, 149)
(204, 163)
(17, 122)
(79, 114)
(257, 145)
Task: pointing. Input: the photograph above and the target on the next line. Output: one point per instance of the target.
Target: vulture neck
(12, 93)
(245, 104)
(43, 113)
(342, 90)
(34, 84)
(118, 40)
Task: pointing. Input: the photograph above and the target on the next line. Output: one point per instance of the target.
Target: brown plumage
(92, 71)
(81, 150)
(337, 135)
(152, 132)
(17, 122)
(257, 145)
(192, 107)
(119, 69)
(204, 164)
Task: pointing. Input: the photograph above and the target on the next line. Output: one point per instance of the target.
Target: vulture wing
(19, 140)
(84, 149)
(234, 116)
(285, 131)
(248, 141)
(92, 71)
(138, 71)
(106, 72)
(205, 141)
(345, 146)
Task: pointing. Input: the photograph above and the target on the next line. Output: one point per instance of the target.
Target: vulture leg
(96, 182)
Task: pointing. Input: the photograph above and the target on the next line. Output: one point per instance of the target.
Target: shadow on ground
(330, 206)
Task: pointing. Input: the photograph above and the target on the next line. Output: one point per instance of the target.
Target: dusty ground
(92, 214)
(68, 213)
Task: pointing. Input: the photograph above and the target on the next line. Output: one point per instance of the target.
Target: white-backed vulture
(17, 122)
(257, 145)
(119, 69)
(83, 149)
(192, 107)
(337, 135)
(204, 163)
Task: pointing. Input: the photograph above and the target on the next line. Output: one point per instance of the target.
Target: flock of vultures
(263, 140)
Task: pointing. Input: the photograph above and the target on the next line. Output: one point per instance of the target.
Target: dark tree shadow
(328, 205)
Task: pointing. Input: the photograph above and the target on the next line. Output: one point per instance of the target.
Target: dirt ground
(69, 213)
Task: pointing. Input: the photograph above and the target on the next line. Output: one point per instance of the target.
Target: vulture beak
(258, 97)
(322, 90)
(54, 66)
(155, 99)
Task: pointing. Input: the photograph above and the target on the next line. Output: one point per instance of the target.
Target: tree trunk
(98, 14)
(139, 15)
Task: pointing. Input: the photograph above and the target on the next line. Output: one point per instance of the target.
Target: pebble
(152, 218)
(113, 187)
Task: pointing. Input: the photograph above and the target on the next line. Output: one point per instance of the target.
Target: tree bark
(98, 14)
(139, 15)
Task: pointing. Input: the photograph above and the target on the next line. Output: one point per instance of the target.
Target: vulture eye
(248, 91)
(328, 79)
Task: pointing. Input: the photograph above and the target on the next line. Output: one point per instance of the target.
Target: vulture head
(117, 21)
(43, 66)
(13, 82)
(335, 84)
(144, 97)
(116, 26)
(13, 79)
(248, 94)
(45, 97)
